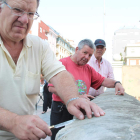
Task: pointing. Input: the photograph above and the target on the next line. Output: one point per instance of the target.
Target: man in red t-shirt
(85, 77)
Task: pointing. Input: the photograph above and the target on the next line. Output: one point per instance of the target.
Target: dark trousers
(47, 98)
(59, 114)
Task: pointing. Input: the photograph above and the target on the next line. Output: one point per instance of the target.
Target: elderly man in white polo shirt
(100, 64)
(23, 58)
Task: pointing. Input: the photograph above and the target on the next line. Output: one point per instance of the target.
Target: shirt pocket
(32, 83)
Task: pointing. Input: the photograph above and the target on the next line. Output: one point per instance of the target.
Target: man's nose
(24, 18)
(87, 56)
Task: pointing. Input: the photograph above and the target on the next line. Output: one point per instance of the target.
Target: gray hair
(87, 42)
(38, 3)
(2, 3)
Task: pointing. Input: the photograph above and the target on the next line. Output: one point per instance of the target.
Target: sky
(80, 19)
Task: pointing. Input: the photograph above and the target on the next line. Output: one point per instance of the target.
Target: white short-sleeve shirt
(20, 84)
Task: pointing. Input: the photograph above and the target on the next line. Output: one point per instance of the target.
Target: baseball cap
(99, 42)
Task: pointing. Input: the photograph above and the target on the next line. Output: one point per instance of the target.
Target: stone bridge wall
(121, 121)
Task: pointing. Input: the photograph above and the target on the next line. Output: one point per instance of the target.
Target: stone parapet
(121, 121)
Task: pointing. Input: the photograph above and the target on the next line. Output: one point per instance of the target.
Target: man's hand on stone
(86, 96)
(119, 90)
(74, 107)
(30, 127)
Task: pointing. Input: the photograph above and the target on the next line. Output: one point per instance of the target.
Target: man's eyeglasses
(20, 12)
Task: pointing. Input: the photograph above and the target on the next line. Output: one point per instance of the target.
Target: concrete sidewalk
(45, 117)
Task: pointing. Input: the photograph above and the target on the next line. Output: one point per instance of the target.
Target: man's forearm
(52, 90)
(6, 119)
(109, 83)
(65, 86)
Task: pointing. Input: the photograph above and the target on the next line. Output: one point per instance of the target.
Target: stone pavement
(45, 117)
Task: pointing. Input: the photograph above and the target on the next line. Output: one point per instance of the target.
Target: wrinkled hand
(30, 127)
(119, 90)
(86, 96)
(89, 107)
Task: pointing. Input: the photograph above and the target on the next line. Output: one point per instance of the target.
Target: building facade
(123, 37)
(43, 30)
(52, 38)
(132, 54)
(39, 28)
(63, 48)
(60, 46)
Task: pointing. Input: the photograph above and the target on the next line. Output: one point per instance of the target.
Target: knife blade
(62, 124)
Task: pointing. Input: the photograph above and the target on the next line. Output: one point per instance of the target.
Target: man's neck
(12, 44)
(73, 58)
(14, 48)
(99, 59)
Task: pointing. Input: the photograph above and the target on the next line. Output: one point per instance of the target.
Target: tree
(121, 57)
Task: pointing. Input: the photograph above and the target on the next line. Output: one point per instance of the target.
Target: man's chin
(18, 37)
(83, 64)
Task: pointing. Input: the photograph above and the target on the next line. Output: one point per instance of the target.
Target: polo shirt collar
(95, 60)
(2, 45)
(27, 42)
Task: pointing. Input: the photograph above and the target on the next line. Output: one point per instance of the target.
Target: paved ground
(45, 117)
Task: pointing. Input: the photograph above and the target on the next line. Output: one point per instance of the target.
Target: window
(136, 33)
(40, 30)
(132, 62)
(138, 41)
(132, 50)
(132, 41)
(124, 40)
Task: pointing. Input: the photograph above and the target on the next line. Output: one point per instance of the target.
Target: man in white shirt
(100, 64)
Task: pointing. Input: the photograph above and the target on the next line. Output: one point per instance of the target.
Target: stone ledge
(121, 121)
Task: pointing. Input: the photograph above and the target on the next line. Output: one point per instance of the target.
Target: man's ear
(76, 49)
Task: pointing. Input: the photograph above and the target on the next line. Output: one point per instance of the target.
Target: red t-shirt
(85, 77)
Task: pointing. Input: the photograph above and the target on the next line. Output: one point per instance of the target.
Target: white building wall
(132, 54)
(123, 37)
(127, 62)
(133, 51)
(117, 70)
(34, 28)
(52, 37)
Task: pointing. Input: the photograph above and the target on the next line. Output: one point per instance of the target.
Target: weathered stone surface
(121, 121)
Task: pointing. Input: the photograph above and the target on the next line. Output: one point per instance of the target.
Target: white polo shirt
(20, 84)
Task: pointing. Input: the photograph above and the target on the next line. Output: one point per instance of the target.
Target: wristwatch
(116, 83)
